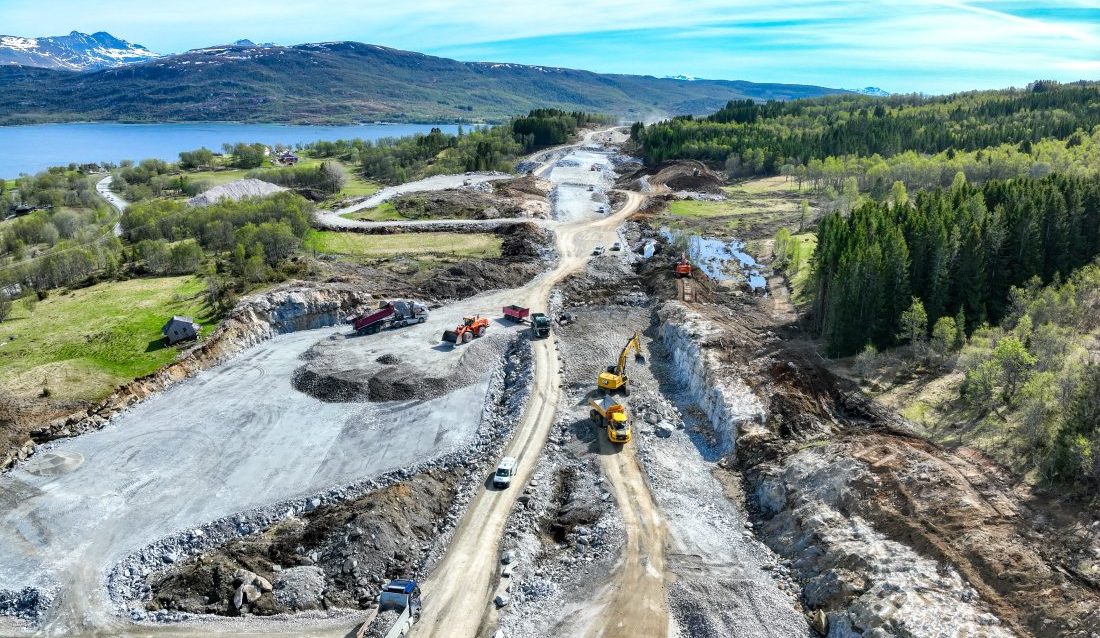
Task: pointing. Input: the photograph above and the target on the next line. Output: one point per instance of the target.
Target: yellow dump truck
(612, 414)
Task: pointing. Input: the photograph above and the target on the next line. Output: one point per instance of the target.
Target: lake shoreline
(32, 148)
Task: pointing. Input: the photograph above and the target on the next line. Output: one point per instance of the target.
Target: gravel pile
(235, 191)
(25, 604)
(127, 583)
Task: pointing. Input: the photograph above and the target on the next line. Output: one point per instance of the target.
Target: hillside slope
(349, 82)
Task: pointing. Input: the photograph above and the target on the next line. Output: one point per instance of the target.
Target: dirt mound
(353, 545)
(679, 175)
(393, 382)
(521, 197)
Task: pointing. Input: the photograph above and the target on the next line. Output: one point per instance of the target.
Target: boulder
(244, 577)
(298, 589)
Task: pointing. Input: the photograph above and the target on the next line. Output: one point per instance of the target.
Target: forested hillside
(960, 236)
(763, 138)
(958, 250)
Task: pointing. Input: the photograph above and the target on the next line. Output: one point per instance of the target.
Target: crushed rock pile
(235, 191)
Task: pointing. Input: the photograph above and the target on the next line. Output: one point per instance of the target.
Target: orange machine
(466, 331)
(683, 267)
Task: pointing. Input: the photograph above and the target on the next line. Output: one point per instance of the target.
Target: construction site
(612, 429)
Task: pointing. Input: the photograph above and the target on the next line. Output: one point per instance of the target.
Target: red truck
(516, 313)
(390, 314)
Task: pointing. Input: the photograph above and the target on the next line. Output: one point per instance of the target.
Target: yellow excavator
(614, 378)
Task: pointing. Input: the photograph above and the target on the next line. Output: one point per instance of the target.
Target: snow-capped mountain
(872, 90)
(75, 52)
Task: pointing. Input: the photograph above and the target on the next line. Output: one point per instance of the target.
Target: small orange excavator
(683, 267)
(466, 331)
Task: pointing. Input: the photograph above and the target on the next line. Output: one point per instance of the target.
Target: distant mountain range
(341, 82)
(74, 52)
(872, 90)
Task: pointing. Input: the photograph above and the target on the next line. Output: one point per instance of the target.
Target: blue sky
(934, 46)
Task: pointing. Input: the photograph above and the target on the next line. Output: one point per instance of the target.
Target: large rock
(298, 589)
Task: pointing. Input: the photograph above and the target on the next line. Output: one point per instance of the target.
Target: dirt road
(635, 598)
(457, 597)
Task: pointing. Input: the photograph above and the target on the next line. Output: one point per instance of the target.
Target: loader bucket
(450, 336)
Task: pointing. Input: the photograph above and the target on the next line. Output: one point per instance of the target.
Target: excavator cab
(683, 267)
(614, 378)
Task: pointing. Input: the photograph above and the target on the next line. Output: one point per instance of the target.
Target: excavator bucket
(450, 336)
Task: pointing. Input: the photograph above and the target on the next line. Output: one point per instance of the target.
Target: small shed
(180, 328)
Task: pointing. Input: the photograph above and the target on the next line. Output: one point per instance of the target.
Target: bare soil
(358, 545)
(520, 197)
(1030, 556)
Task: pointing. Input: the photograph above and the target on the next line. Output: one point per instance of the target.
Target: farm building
(180, 328)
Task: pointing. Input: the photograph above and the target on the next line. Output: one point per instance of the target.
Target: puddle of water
(720, 259)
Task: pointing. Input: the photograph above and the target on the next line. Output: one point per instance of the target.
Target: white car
(616, 246)
(598, 250)
(505, 471)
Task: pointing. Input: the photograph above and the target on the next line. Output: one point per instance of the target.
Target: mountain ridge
(343, 82)
(73, 52)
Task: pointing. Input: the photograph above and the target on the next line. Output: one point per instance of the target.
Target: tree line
(765, 137)
(958, 250)
(397, 160)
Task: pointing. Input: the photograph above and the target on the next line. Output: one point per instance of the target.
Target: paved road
(103, 187)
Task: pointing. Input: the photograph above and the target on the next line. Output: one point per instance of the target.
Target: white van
(505, 471)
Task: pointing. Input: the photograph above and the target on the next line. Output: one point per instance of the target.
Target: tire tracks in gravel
(458, 595)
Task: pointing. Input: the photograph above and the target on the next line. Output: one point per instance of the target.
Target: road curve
(103, 187)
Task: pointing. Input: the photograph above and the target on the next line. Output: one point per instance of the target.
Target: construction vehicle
(402, 596)
(614, 378)
(470, 329)
(611, 414)
(516, 313)
(683, 267)
(540, 325)
(390, 314)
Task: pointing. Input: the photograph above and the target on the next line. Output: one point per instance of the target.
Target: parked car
(505, 471)
(616, 246)
(598, 250)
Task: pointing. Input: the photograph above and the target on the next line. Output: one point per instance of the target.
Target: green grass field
(83, 343)
(383, 212)
(801, 278)
(441, 246)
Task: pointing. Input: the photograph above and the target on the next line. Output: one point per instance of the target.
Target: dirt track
(458, 595)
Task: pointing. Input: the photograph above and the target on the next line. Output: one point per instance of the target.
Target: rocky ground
(724, 583)
(510, 198)
(338, 547)
(885, 533)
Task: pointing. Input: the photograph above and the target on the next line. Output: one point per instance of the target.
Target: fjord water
(32, 148)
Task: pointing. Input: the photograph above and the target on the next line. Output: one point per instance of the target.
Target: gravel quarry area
(273, 480)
